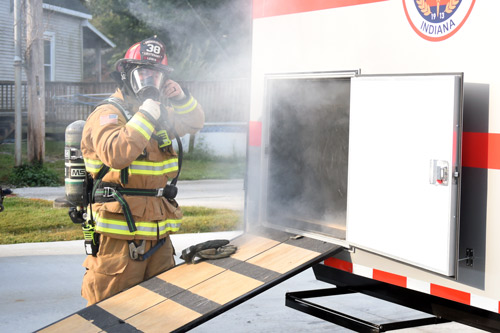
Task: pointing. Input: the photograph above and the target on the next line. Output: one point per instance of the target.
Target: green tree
(205, 39)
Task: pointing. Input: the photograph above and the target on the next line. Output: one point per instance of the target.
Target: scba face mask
(146, 82)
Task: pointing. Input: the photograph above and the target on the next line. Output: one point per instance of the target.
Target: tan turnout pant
(113, 270)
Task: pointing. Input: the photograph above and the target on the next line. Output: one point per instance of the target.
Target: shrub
(33, 175)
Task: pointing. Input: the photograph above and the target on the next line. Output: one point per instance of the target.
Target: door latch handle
(439, 172)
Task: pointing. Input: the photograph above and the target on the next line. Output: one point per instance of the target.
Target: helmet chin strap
(121, 79)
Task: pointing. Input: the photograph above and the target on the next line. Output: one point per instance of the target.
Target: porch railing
(222, 101)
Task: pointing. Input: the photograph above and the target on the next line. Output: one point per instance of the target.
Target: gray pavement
(40, 282)
(208, 193)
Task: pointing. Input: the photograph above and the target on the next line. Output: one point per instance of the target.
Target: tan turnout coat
(110, 139)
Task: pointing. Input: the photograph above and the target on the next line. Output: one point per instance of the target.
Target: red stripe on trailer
(480, 150)
(451, 294)
(255, 133)
(391, 278)
(267, 8)
(420, 286)
(339, 264)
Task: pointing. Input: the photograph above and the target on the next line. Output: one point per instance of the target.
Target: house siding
(7, 40)
(68, 43)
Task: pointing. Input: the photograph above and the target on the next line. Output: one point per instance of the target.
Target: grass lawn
(35, 220)
(54, 159)
(194, 166)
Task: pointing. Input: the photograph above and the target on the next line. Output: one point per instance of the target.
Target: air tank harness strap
(137, 252)
(109, 192)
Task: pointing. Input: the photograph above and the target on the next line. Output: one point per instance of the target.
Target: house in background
(67, 33)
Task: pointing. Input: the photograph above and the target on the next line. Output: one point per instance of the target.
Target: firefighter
(126, 145)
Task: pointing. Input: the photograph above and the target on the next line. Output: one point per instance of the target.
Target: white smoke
(208, 42)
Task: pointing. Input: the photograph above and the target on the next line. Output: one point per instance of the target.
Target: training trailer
(374, 125)
(372, 158)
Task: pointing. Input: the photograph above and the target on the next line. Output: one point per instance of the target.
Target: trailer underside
(440, 309)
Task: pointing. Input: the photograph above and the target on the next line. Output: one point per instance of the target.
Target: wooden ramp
(188, 295)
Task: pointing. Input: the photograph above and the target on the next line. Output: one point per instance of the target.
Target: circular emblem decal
(437, 20)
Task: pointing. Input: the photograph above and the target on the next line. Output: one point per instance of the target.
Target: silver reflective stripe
(146, 229)
(93, 165)
(105, 225)
(142, 125)
(169, 226)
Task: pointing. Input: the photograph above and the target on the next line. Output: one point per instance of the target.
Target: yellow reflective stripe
(187, 107)
(154, 168)
(92, 165)
(139, 167)
(140, 124)
(143, 228)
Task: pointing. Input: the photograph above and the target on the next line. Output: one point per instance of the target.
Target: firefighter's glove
(212, 249)
(150, 108)
(173, 91)
(218, 253)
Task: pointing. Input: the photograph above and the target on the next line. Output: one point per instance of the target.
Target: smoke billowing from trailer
(208, 42)
(211, 42)
(308, 148)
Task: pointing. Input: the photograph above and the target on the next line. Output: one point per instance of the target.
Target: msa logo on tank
(437, 20)
(77, 173)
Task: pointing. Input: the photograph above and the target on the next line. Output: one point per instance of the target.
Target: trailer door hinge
(469, 257)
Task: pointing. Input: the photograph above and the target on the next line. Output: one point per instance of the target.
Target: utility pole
(36, 81)
(17, 83)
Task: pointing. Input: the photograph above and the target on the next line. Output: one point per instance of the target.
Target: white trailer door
(404, 155)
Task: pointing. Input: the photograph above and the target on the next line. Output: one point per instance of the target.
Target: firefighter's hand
(151, 108)
(173, 90)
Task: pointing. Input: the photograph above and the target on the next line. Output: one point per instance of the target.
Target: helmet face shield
(146, 82)
(141, 77)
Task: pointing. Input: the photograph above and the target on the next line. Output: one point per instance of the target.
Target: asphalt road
(208, 193)
(40, 283)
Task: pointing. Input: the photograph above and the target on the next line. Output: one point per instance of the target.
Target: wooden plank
(164, 317)
(187, 276)
(74, 323)
(251, 245)
(283, 258)
(134, 300)
(187, 295)
(131, 301)
(225, 287)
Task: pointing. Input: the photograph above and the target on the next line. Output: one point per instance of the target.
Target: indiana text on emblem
(436, 20)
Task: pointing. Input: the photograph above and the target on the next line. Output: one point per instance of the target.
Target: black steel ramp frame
(441, 310)
(296, 300)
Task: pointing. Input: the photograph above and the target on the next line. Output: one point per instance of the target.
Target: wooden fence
(65, 102)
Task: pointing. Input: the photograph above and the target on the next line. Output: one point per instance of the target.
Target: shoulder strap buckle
(107, 192)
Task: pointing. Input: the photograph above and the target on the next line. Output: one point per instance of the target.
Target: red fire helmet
(150, 51)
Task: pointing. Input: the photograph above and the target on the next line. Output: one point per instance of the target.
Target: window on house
(48, 56)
